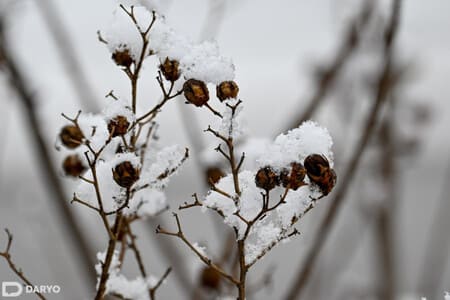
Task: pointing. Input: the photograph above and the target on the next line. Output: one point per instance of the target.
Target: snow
(158, 168)
(296, 145)
(204, 62)
(122, 34)
(136, 289)
(116, 108)
(447, 296)
(231, 125)
(94, 129)
(147, 203)
(199, 248)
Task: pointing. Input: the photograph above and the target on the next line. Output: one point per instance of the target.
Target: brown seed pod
(266, 178)
(71, 136)
(293, 177)
(170, 69)
(196, 92)
(122, 58)
(210, 278)
(125, 174)
(226, 90)
(214, 174)
(118, 126)
(320, 173)
(73, 166)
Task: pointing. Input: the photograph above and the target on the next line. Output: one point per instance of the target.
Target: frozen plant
(123, 171)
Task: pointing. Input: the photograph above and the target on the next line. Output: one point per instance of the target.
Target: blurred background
(320, 60)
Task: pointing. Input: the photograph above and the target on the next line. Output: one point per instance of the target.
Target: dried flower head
(71, 136)
(170, 69)
(226, 90)
(118, 126)
(122, 58)
(214, 174)
(320, 173)
(293, 177)
(73, 166)
(196, 92)
(125, 174)
(266, 178)
(210, 278)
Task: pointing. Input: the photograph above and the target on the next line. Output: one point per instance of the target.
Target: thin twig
(346, 51)
(79, 242)
(381, 92)
(18, 271)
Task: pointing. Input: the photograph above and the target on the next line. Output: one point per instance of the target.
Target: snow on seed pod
(196, 92)
(170, 69)
(122, 58)
(118, 126)
(293, 177)
(73, 166)
(226, 90)
(320, 173)
(71, 136)
(266, 178)
(125, 174)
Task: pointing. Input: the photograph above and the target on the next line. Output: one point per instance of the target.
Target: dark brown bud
(122, 58)
(266, 178)
(170, 69)
(226, 90)
(214, 174)
(320, 173)
(118, 126)
(71, 136)
(73, 166)
(293, 177)
(125, 174)
(210, 278)
(196, 92)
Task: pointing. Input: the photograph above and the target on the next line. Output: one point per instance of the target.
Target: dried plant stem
(70, 224)
(7, 255)
(347, 49)
(381, 92)
(108, 258)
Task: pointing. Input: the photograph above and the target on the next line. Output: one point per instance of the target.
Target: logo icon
(11, 289)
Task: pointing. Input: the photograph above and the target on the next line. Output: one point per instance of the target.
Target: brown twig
(158, 284)
(179, 234)
(45, 159)
(347, 49)
(381, 92)
(7, 256)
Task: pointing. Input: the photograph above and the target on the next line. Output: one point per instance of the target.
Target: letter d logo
(11, 289)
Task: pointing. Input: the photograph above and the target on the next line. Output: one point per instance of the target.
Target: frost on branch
(281, 173)
(118, 284)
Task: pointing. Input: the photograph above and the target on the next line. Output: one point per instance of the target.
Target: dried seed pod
(125, 174)
(71, 136)
(73, 166)
(214, 174)
(210, 278)
(293, 178)
(266, 178)
(226, 90)
(118, 126)
(320, 173)
(122, 58)
(196, 92)
(170, 69)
